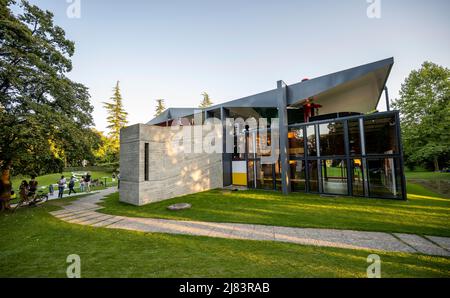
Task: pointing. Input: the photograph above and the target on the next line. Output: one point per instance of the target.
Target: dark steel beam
(284, 141)
(386, 94)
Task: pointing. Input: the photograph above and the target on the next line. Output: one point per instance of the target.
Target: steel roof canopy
(358, 88)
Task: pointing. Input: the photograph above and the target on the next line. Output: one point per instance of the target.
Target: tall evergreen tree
(117, 117)
(160, 107)
(206, 102)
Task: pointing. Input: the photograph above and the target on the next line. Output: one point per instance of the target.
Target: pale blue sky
(177, 49)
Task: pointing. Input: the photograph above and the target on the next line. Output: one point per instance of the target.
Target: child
(51, 190)
(82, 184)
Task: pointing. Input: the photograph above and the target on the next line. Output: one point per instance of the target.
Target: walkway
(84, 212)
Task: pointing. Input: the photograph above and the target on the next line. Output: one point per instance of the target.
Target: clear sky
(233, 48)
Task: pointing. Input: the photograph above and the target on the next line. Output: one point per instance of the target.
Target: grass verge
(35, 244)
(425, 212)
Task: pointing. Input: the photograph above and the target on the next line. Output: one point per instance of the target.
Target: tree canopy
(206, 101)
(45, 116)
(117, 117)
(424, 106)
(160, 107)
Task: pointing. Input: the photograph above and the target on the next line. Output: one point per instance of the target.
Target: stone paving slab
(84, 212)
(93, 220)
(107, 222)
(423, 245)
(76, 215)
(318, 237)
(442, 241)
(87, 220)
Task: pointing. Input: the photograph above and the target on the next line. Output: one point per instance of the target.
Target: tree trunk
(436, 164)
(5, 188)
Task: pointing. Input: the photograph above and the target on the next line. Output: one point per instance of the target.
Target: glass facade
(334, 176)
(298, 175)
(383, 177)
(357, 177)
(313, 175)
(376, 129)
(352, 156)
(332, 139)
(354, 137)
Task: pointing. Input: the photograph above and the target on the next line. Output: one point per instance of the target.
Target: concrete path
(84, 212)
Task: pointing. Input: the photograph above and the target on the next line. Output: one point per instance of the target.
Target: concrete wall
(172, 172)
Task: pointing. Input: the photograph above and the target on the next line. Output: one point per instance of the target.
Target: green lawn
(427, 175)
(424, 213)
(35, 244)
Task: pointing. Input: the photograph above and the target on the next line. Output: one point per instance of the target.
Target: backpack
(71, 183)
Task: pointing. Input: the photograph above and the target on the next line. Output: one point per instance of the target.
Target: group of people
(85, 185)
(27, 190)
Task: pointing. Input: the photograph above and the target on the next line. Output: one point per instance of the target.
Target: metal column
(284, 141)
(226, 157)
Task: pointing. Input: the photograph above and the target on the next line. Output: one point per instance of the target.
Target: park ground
(35, 244)
(45, 180)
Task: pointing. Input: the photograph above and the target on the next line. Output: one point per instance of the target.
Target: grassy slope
(35, 244)
(424, 213)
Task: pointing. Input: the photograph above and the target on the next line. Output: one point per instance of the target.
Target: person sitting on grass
(23, 191)
(32, 187)
(72, 185)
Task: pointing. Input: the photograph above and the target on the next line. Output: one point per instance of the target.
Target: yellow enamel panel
(240, 179)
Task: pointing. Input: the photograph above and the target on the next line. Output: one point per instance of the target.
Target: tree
(160, 107)
(42, 112)
(206, 102)
(424, 106)
(104, 152)
(117, 117)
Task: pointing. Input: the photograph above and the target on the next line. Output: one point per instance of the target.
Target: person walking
(118, 180)
(61, 186)
(87, 182)
(72, 185)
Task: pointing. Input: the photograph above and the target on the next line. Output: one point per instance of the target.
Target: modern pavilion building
(332, 141)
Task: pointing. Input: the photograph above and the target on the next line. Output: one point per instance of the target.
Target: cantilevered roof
(356, 89)
(172, 113)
